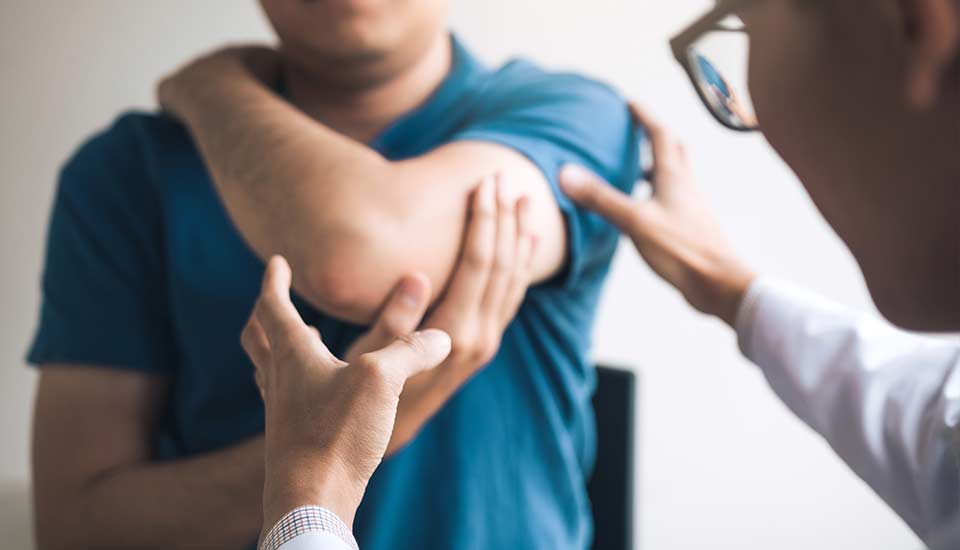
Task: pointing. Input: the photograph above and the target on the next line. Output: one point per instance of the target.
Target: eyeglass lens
(719, 61)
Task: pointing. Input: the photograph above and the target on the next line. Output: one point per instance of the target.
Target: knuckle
(371, 362)
(462, 345)
(485, 354)
(414, 342)
(246, 336)
(481, 349)
(491, 343)
(373, 368)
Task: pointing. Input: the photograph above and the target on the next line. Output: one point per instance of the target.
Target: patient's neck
(362, 99)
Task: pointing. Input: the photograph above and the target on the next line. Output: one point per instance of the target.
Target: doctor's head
(862, 99)
(363, 36)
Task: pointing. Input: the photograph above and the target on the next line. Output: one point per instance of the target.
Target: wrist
(192, 86)
(715, 284)
(729, 284)
(292, 482)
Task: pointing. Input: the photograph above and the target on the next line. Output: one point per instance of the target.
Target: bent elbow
(356, 266)
(337, 289)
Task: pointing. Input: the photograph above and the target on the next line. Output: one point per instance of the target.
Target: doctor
(862, 99)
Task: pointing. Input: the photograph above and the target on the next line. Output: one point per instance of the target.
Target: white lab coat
(887, 401)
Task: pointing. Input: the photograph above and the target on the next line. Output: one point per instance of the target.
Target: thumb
(410, 355)
(591, 192)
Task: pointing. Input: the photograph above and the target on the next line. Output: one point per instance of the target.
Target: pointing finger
(591, 192)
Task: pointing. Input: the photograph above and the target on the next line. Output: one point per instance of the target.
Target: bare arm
(337, 209)
(96, 485)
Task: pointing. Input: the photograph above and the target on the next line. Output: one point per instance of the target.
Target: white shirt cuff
(320, 526)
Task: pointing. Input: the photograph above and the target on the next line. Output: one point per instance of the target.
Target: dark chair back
(611, 489)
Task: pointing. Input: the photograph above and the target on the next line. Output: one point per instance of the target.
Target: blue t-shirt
(145, 272)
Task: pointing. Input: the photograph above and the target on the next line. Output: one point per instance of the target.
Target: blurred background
(721, 463)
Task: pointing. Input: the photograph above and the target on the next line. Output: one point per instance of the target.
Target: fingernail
(410, 293)
(573, 177)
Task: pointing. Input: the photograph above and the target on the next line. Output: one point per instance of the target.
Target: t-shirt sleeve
(103, 282)
(557, 119)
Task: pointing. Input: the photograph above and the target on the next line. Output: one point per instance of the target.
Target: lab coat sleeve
(887, 401)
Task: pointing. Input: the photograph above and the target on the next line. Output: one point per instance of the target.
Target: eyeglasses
(714, 51)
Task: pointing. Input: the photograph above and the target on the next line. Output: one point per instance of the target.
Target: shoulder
(585, 118)
(119, 156)
(125, 139)
(521, 84)
(521, 76)
(111, 178)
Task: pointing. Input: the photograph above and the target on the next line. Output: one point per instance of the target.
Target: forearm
(211, 501)
(283, 178)
(338, 210)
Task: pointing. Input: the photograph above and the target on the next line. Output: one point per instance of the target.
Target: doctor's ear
(931, 31)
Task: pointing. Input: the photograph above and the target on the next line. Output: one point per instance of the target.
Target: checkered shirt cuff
(307, 519)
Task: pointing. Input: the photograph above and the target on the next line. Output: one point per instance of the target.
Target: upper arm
(103, 304)
(104, 300)
(526, 133)
(87, 422)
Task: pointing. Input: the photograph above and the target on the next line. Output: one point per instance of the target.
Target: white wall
(722, 463)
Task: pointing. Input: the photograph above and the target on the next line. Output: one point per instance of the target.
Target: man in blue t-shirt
(148, 421)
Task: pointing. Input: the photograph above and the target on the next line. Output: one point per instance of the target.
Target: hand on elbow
(486, 290)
